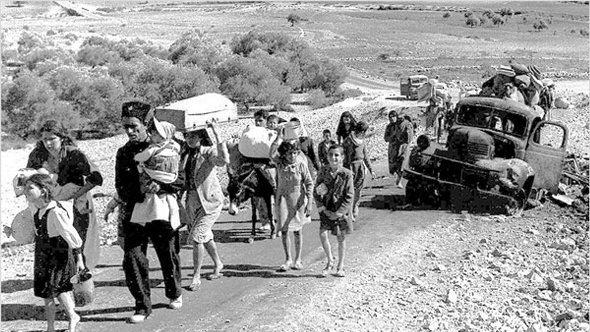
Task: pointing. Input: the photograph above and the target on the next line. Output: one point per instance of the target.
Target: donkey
(250, 178)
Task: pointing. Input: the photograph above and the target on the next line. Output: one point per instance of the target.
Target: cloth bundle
(255, 142)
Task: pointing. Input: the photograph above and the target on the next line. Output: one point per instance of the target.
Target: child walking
(357, 160)
(324, 146)
(334, 196)
(159, 162)
(58, 255)
(293, 199)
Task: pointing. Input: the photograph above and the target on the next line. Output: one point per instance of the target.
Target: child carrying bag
(83, 288)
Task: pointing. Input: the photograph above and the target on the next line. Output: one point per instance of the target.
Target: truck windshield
(499, 120)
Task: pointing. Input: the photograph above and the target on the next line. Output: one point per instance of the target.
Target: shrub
(28, 100)
(248, 82)
(71, 37)
(472, 21)
(29, 41)
(293, 18)
(383, 56)
(483, 20)
(160, 82)
(540, 25)
(584, 32)
(497, 20)
(50, 33)
(316, 98)
(195, 48)
(468, 14)
(488, 13)
(446, 15)
(38, 55)
(96, 55)
(351, 93)
(506, 11)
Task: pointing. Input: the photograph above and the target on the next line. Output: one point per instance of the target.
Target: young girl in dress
(334, 194)
(58, 255)
(293, 198)
(356, 159)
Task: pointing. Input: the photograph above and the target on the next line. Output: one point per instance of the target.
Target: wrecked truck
(498, 154)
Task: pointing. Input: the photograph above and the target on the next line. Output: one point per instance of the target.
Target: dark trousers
(136, 265)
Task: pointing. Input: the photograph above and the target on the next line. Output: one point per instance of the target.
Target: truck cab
(517, 131)
(409, 85)
(497, 153)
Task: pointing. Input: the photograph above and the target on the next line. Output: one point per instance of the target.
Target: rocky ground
(464, 273)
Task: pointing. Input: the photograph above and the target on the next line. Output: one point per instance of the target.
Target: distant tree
(488, 13)
(19, 3)
(196, 48)
(271, 42)
(293, 18)
(472, 21)
(247, 82)
(160, 82)
(540, 25)
(446, 15)
(27, 99)
(497, 19)
(28, 41)
(98, 55)
(506, 11)
(39, 55)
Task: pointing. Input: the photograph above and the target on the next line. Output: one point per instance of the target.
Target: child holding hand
(334, 196)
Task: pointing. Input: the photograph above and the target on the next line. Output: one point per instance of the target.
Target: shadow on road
(16, 311)
(11, 286)
(121, 283)
(392, 202)
(85, 313)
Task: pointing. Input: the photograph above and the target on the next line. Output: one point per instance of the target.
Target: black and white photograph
(246, 165)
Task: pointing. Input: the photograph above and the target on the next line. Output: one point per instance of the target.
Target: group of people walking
(153, 172)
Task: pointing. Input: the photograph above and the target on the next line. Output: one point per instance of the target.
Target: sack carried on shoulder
(83, 288)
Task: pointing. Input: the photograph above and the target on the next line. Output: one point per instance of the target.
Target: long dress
(294, 191)
(54, 260)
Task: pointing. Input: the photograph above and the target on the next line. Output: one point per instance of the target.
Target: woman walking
(204, 198)
(57, 153)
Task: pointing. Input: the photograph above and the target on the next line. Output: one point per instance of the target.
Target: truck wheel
(515, 207)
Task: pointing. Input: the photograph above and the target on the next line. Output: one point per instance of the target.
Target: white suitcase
(194, 113)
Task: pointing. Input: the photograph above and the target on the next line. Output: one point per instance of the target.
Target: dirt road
(251, 293)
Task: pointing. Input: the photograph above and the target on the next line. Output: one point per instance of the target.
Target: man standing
(398, 133)
(133, 237)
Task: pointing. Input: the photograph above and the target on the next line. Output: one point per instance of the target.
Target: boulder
(561, 102)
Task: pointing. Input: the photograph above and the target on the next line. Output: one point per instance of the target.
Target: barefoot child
(356, 159)
(334, 197)
(58, 255)
(293, 199)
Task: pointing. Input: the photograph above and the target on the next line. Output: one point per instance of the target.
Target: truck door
(404, 87)
(545, 153)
